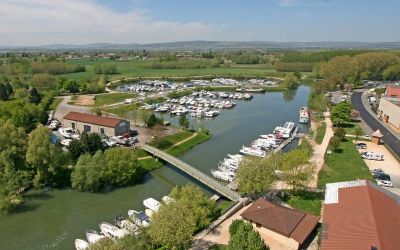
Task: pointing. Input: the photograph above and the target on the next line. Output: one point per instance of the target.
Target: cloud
(36, 22)
(301, 3)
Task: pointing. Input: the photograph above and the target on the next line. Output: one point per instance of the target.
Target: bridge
(193, 172)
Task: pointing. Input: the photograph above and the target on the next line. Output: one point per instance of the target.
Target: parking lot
(389, 165)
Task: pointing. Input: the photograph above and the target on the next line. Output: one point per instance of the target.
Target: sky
(43, 22)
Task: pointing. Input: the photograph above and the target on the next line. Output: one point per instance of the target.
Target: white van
(372, 156)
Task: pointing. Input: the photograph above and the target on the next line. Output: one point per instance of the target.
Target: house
(288, 225)
(360, 215)
(389, 112)
(99, 124)
(392, 91)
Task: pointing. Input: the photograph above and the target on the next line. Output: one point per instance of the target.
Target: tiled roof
(92, 119)
(286, 221)
(364, 216)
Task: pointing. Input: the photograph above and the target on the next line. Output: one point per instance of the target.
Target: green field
(306, 201)
(135, 69)
(344, 165)
(182, 148)
(319, 137)
(351, 127)
(107, 99)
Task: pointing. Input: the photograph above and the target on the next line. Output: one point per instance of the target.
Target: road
(391, 140)
(64, 108)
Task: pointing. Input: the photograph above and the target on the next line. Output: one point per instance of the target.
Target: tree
(334, 143)
(75, 149)
(290, 82)
(9, 90)
(45, 159)
(88, 173)
(72, 87)
(151, 121)
(145, 115)
(173, 226)
(91, 142)
(298, 171)
(34, 96)
(184, 122)
(354, 115)
(203, 208)
(243, 237)
(256, 176)
(340, 133)
(3, 92)
(341, 113)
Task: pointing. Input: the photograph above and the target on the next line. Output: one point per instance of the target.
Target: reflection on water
(52, 219)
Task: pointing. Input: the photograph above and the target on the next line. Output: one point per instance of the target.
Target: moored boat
(304, 115)
(92, 237)
(81, 244)
(152, 204)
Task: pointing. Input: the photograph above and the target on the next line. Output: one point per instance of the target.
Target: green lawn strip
(344, 165)
(306, 201)
(139, 153)
(54, 104)
(351, 127)
(121, 110)
(320, 133)
(150, 164)
(111, 98)
(169, 140)
(183, 147)
(224, 205)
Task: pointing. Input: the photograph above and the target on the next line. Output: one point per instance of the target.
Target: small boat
(112, 231)
(152, 204)
(92, 236)
(252, 152)
(225, 176)
(126, 224)
(81, 244)
(304, 115)
(139, 218)
(236, 157)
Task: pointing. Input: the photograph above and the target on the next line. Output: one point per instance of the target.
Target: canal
(52, 219)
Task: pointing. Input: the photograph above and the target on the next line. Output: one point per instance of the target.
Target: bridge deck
(198, 175)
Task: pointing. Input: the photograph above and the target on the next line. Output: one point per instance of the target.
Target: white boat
(128, 225)
(112, 231)
(252, 152)
(66, 132)
(139, 218)
(288, 128)
(92, 237)
(222, 175)
(304, 115)
(152, 204)
(81, 244)
(236, 157)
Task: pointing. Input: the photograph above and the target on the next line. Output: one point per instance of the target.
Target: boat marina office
(91, 123)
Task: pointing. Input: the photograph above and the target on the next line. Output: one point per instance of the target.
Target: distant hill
(208, 45)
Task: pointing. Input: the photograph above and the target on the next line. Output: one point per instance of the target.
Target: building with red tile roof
(293, 224)
(393, 91)
(360, 215)
(99, 124)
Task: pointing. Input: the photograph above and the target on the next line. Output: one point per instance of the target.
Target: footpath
(319, 150)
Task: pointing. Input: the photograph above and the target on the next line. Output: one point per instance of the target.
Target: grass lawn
(306, 201)
(183, 147)
(320, 133)
(344, 165)
(150, 164)
(219, 247)
(54, 104)
(122, 110)
(169, 140)
(351, 127)
(111, 98)
(224, 205)
(135, 69)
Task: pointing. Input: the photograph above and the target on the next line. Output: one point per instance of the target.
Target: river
(52, 219)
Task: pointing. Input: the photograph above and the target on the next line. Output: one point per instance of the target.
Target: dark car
(361, 145)
(382, 176)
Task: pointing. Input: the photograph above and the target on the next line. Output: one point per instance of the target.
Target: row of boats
(259, 148)
(123, 226)
(201, 104)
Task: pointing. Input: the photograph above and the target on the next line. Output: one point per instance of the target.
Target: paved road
(392, 141)
(64, 108)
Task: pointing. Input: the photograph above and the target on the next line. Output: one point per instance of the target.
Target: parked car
(372, 156)
(108, 143)
(54, 124)
(120, 140)
(384, 183)
(361, 145)
(377, 171)
(382, 176)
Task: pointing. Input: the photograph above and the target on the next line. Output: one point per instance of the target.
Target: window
(87, 128)
(73, 125)
(102, 130)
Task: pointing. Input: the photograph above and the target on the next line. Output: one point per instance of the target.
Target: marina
(69, 214)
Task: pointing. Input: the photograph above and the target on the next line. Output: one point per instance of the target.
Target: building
(288, 225)
(389, 112)
(393, 91)
(360, 215)
(92, 123)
